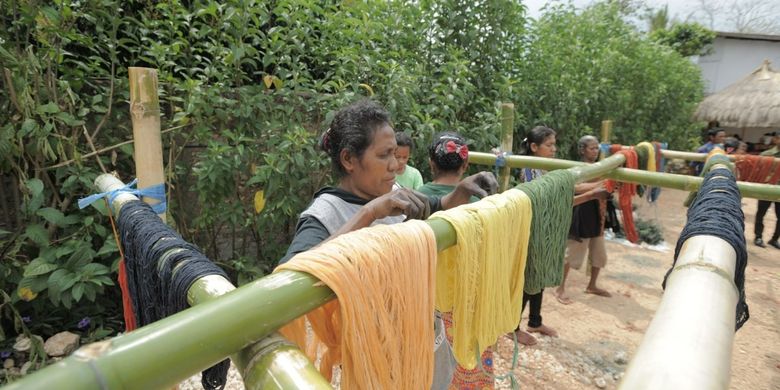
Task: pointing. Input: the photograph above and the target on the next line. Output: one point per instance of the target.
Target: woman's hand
(411, 203)
(480, 185)
(408, 202)
(597, 192)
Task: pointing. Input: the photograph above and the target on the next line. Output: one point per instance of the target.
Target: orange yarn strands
(127, 303)
(757, 169)
(381, 327)
(627, 191)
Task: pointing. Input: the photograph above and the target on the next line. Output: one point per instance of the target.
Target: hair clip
(325, 140)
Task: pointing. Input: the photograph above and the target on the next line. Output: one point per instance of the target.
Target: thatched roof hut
(753, 102)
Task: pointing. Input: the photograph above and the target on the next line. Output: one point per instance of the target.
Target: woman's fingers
(481, 184)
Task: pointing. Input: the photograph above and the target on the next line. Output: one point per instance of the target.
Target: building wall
(733, 59)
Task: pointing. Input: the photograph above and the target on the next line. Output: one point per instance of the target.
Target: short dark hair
(447, 161)
(403, 139)
(731, 144)
(714, 132)
(353, 129)
(537, 135)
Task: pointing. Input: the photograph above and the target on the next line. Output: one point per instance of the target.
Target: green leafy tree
(688, 39)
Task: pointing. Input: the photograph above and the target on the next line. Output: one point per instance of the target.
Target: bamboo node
(140, 110)
(93, 350)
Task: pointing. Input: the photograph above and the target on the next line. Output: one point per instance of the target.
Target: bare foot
(598, 291)
(545, 330)
(560, 295)
(525, 338)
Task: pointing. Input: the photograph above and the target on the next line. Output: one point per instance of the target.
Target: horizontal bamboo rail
(115, 364)
(689, 342)
(691, 156)
(219, 327)
(214, 329)
(665, 180)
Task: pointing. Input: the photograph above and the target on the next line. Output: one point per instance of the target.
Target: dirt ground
(598, 336)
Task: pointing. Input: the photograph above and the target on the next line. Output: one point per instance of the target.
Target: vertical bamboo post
(507, 127)
(606, 129)
(145, 114)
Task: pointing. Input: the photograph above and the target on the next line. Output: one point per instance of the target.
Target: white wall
(733, 59)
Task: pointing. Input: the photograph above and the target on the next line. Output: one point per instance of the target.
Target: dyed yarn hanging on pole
(480, 279)
(552, 197)
(627, 192)
(646, 156)
(381, 327)
(716, 156)
(717, 211)
(161, 267)
(757, 169)
(655, 192)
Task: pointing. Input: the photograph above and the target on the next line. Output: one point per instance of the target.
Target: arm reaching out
(480, 185)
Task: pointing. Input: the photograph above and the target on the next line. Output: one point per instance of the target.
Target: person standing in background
(586, 234)
(406, 176)
(715, 137)
(763, 205)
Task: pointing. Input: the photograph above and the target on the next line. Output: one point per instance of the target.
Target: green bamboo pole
(264, 367)
(666, 180)
(162, 354)
(276, 363)
(677, 352)
(692, 156)
(507, 128)
(220, 327)
(203, 335)
(606, 129)
(260, 367)
(145, 116)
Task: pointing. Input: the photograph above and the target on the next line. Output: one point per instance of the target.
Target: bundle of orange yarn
(380, 329)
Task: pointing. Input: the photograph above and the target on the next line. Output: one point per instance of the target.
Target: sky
(678, 9)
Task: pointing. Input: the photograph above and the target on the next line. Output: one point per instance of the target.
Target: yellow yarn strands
(552, 197)
(647, 151)
(480, 279)
(380, 328)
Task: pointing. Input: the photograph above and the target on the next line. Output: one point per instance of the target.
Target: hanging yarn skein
(717, 211)
(381, 326)
(552, 197)
(757, 169)
(627, 192)
(655, 192)
(646, 157)
(716, 156)
(161, 267)
(480, 279)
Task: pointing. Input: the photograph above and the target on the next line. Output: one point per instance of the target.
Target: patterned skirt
(465, 379)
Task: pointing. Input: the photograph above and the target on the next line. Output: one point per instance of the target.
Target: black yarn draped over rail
(717, 211)
(161, 267)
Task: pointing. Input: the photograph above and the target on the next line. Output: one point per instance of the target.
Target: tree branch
(106, 149)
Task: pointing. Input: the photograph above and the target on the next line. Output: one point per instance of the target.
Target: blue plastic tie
(501, 158)
(604, 148)
(156, 191)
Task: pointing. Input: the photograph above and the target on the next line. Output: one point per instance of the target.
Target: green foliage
(246, 88)
(584, 67)
(649, 231)
(658, 19)
(688, 39)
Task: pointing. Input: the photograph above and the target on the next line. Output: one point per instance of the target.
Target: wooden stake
(507, 128)
(606, 129)
(145, 114)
